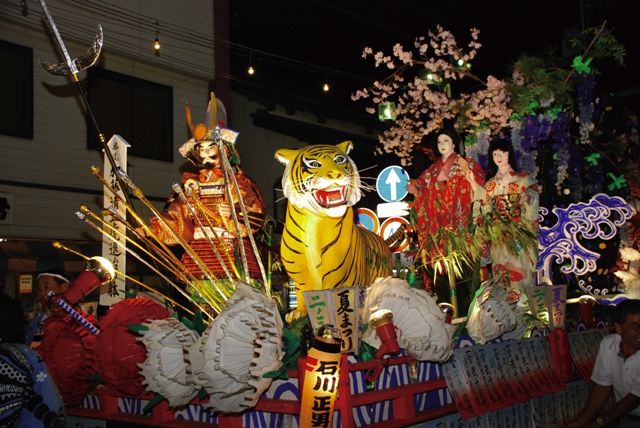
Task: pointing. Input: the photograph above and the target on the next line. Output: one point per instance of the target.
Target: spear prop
(72, 67)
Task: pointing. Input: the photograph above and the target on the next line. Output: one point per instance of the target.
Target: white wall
(57, 156)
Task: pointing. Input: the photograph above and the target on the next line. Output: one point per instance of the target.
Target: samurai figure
(212, 203)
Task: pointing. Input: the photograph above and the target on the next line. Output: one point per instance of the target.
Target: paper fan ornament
(239, 346)
(422, 331)
(64, 351)
(493, 314)
(116, 352)
(165, 370)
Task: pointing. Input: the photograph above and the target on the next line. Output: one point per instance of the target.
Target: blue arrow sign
(391, 184)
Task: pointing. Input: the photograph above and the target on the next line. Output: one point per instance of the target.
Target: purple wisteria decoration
(560, 130)
(596, 178)
(575, 167)
(516, 139)
(529, 144)
(483, 147)
(592, 220)
(586, 83)
(545, 121)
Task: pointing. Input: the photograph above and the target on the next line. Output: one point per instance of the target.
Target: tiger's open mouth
(331, 197)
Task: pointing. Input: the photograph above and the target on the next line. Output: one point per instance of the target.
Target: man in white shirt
(617, 367)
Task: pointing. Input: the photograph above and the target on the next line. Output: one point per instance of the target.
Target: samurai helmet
(202, 133)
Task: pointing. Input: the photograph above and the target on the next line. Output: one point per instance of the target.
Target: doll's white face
(445, 145)
(500, 158)
(208, 151)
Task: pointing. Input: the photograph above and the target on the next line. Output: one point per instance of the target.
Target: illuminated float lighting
(386, 111)
(321, 378)
(99, 271)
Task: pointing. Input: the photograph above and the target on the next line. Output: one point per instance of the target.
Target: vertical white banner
(111, 250)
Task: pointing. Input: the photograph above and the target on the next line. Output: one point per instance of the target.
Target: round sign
(389, 227)
(391, 184)
(368, 219)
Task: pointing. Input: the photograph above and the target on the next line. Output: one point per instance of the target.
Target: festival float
(442, 339)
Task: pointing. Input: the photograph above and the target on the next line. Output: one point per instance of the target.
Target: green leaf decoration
(137, 327)
(282, 373)
(187, 323)
(175, 315)
(413, 216)
(367, 352)
(127, 295)
(454, 251)
(593, 158)
(96, 378)
(414, 280)
(198, 323)
(153, 403)
(291, 348)
(582, 67)
(202, 394)
(297, 324)
(618, 182)
(553, 112)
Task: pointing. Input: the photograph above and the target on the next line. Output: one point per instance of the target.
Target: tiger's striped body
(322, 247)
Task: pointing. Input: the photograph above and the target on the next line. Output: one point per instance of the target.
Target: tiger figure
(322, 247)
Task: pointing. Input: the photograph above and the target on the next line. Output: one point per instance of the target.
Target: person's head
(626, 320)
(501, 153)
(209, 154)
(206, 153)
(52, 280)
(447, 142)
(12, 320)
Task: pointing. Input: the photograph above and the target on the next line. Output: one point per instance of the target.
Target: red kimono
(445, 195)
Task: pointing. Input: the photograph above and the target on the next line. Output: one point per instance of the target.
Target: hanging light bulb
(325, 87)
(250, 70)
(156, 44)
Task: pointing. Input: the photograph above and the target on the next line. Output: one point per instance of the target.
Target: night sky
(308, 40)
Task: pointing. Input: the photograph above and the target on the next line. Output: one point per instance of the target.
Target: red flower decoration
(64, 350)
(115, 353)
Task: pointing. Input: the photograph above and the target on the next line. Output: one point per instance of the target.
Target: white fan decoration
(493, 315)
(239, 346)
(164, 370)
(422, 330)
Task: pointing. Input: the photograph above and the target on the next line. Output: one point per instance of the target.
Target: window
(16, 87)
(139, 111)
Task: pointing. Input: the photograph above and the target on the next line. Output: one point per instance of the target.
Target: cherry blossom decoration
(493, 315)
(427, 103)
(422, 331)
(239, 346)
(164, 370)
